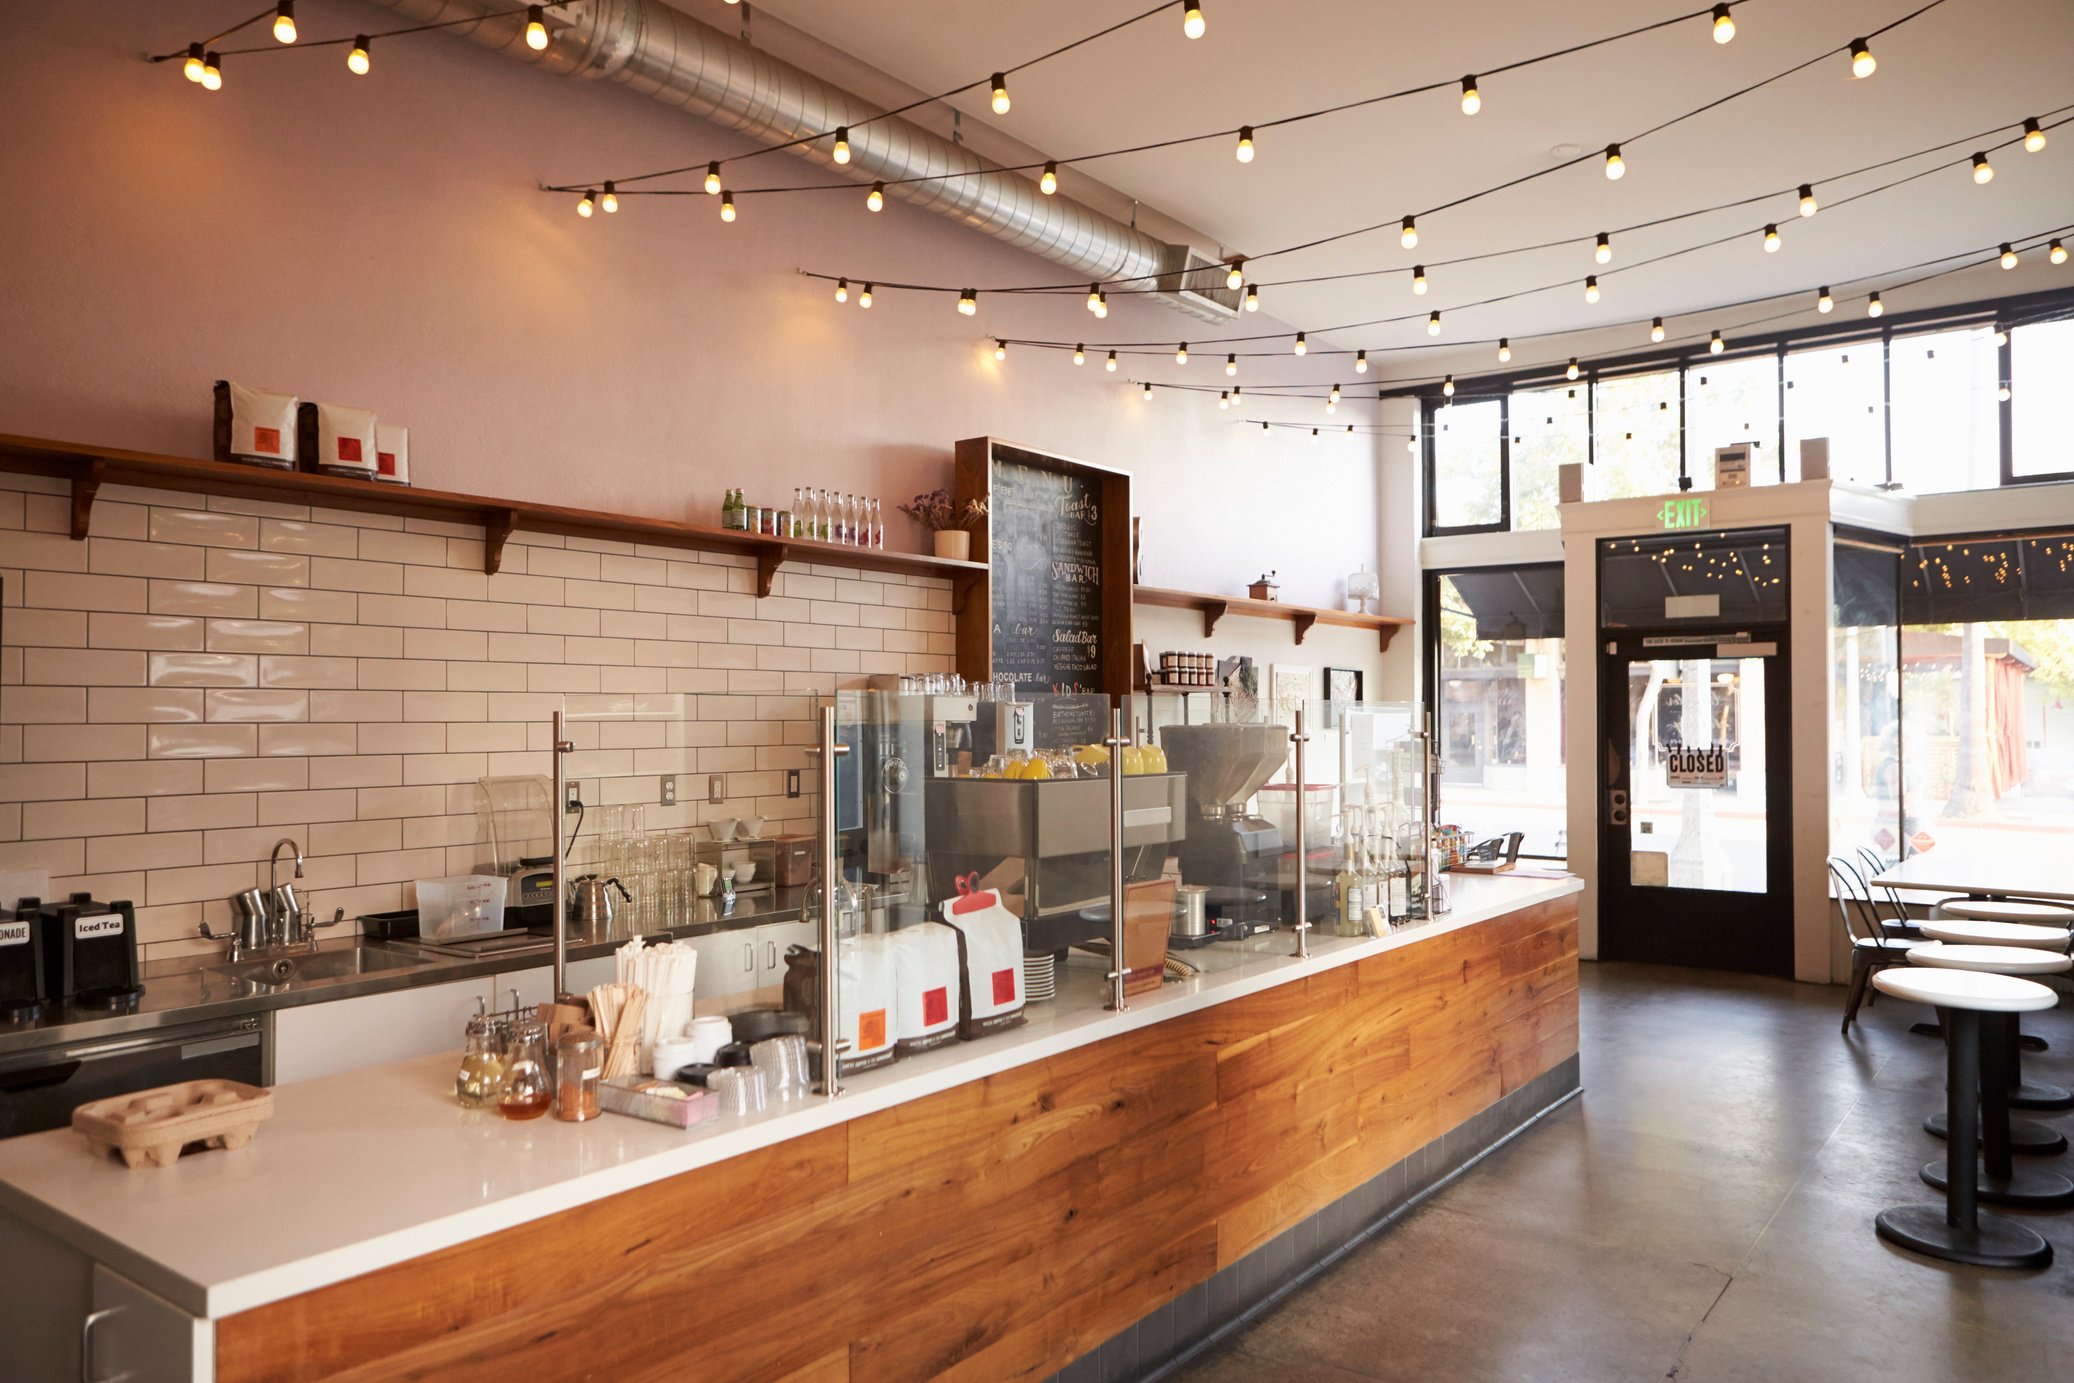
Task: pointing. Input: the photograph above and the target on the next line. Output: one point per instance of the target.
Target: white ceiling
(1963, 67)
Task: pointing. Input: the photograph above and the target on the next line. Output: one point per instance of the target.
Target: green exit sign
(1683, 513)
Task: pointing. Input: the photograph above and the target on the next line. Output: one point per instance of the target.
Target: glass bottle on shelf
(848, 535)
(823, 526)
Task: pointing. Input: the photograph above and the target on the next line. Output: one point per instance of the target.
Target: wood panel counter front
(996, 1229)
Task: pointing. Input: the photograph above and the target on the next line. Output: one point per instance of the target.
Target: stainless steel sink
(278, 972)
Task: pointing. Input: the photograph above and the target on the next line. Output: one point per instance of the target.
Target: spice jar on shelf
(579, 1060)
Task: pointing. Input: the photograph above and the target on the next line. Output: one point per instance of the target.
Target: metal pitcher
(594, 903)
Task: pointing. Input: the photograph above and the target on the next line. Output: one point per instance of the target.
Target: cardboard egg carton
(151, 1127)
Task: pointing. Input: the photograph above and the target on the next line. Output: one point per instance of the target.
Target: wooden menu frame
(973, 478)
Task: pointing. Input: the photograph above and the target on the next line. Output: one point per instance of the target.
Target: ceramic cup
(743, 871)
(707, 1036)
(750, 828)
(723, 829)
(705, 878)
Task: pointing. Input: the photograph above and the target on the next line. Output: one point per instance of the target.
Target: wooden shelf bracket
(768, 560)
(86, 483)
(497, 527)
(1213, 611)
(1303, 620)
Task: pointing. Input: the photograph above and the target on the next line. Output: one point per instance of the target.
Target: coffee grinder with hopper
(1234, 854)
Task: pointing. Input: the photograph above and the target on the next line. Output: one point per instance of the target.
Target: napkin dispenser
(90, 951)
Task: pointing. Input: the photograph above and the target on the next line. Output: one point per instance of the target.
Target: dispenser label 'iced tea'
(107, 924)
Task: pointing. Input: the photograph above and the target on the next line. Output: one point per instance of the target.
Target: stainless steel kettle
(594, 899)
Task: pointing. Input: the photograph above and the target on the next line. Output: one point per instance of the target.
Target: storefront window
(1840, 394)
(1730, 403)
(1549, 429)
(2041, 379)
(1497, 659)
(1865, 699)
(1636, 425)
(1467, 466)
(1947, 432)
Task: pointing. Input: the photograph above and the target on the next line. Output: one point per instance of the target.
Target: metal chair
(1872, 865)
(1872, 948)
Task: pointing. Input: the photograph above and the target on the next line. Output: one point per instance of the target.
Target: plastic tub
(463, 905)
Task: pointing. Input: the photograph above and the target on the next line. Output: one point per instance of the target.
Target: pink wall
(378, 241)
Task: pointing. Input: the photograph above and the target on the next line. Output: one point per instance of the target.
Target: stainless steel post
(1117, 744)
(1298, 738)
(831, 965)
(560, 751)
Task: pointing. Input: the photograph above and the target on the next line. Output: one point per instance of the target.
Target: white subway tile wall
(203, 675)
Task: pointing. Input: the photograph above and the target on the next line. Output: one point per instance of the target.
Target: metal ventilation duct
(666, 54)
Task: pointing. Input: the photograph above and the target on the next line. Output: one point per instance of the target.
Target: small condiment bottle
(579, 1059)
(526, 1093)
(481, 1078)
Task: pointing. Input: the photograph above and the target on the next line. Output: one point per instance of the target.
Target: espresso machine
(1237, 856)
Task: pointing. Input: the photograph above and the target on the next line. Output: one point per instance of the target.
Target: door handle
(771, 951)
(1616, 806)
(86, 1343)
(748, 958)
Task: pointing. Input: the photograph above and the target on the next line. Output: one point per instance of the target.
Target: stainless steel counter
(195, 988)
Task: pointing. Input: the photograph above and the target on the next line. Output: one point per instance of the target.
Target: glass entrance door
(1695, 847)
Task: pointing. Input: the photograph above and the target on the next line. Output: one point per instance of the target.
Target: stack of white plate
(1040, 977)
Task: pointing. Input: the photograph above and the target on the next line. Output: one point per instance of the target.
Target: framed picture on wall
(1342, 689)
(1291, 686)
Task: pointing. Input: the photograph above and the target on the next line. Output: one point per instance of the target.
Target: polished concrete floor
(1703, 1212)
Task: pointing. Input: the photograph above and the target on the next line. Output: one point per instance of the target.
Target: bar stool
(2015, 960)
(1999, 1180)
(1991, 932)
(2018, 910)
(1956, 1231)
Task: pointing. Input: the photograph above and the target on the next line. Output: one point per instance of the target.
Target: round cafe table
(1956, 1231)
(1966, 932)
(2019, 910)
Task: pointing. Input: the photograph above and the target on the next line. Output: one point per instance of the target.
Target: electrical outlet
(716, 787)
(792, 782)
(574, 802)
(669, 795)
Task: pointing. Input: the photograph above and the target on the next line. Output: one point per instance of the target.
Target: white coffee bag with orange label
(255, 426)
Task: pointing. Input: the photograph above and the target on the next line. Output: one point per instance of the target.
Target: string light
(1656, 330)
(1231, 363)
(2034, 137)
(1331, 406)
(1825, 304)
(1771, 239)
(1614, 166)
(1110, 363)
(284, 21)
(1181, 354)
(842, 290)
(1447, 386)
(1333, 397)
(1603, 251)
(1000, 94)
(536, 27)
(713, 181)
(1000, 349)
(1302, 346)
(1433, 323)
(1716, 345)
(1570, 372)
(876, 198)
(1235, 277)
(727, 205)
(1983, 171)
(1192, 19)
(1808, 205)
(1314, 436)
(212, 71)
(1360, 362)
(1411, 444)
(1591, 288)
(1148, 389)
(841, 151)
(1094, 298)
(1863, 64)
(1236, 391)
(1244, 153)
(192, 68)
(1724, 24)
(586, 206)
(1080, 353)
(968, 302)
(2008, 256)
(1409, 235)
(1873, 306)
(1504, 350)
(610, 201)
(1049, 182)
(1418, 279)
(357, 61)
(864, 298)
(1102, 304)
(2057, 253)
(1224, 399)
(2001, 339)
(2002, 393)
(1472, 99)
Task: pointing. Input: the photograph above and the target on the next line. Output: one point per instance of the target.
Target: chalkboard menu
(1052, 530)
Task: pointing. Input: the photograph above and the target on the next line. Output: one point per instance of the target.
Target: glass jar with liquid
(526, 1093)
(480, 1080)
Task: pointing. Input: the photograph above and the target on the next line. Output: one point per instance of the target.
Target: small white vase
(955, 543)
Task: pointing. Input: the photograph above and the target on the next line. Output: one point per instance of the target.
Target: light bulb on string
(2002, 392)
(1983, 171)
(1236, 391)
(1418, 279)
(2008, 255)
(1570, 371)
(1724, 24)
(1863, 64)
(1302, 346)
(841, 152)
(2057, 253)
(864, 298)
(727, 205)
(1244, 151)
(1094, 298)
(1048, 183)
(1253, 297)
(1350, 429)
(1192, 19)
(1080, 354)
(1360, 362)
(1224, 398)
(1873, 306)
(1825, 304)
(536, 27)
(1000, 349)
(1591, 288)
(586, 205)
(713, 181)
(1408, 236)
(1102, 304)
(1715, 345)
(212, 71)
(2001, 339)
(1656, 330)
(876, 198)
(1000, 84)
(1411, 444)
(1504, 350)
(284, 21)
(1314, 435)
(1334, 395)
(610, 200)
(1615, 166)
(968, 302)
(1235, 275)
(192, 68)
(1181, 354)
(1231, 363)
(1771, 240)
(1472, 99)
(1331, 407)
(842, 290)
(1603, 251)
(2034, 136)
(357, 61)
(1808, 205)
(1110, 363)
(1265, 425)
(1433, 323)
(1447, 386)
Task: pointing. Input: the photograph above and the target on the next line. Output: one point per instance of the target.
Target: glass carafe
(481, 1078)
(527, 1093)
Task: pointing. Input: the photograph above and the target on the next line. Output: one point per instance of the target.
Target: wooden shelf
(89, 468)
(1214, 608)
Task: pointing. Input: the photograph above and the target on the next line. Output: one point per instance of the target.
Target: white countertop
(359, 1171)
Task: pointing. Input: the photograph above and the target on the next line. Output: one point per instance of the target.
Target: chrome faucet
(284, 914)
